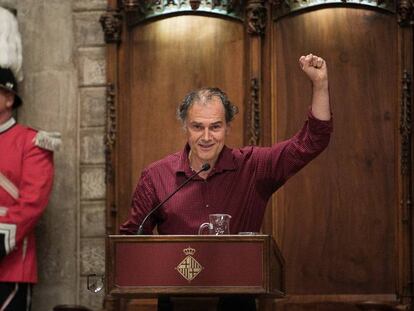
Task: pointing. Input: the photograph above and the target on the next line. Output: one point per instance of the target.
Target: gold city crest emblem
(189, 268)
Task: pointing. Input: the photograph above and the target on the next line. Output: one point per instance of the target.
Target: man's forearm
(320, 101)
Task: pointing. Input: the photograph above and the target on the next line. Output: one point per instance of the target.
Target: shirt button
(206, 205)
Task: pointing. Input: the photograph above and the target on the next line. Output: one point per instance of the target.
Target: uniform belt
(7, 185)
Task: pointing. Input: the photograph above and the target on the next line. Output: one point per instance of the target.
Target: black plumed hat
(8, 83)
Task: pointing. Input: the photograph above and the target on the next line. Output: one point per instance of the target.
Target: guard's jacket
(26, 175)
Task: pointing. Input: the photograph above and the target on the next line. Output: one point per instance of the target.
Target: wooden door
(166, 61)
(337, 221)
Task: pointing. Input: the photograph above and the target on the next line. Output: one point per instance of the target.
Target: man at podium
(238, 182)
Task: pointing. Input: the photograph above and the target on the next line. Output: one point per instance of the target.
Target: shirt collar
(225, 161)
(6, 125)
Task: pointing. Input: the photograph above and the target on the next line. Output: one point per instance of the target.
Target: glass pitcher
(219, 224)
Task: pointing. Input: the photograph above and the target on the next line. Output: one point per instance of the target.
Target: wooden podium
(193, 265)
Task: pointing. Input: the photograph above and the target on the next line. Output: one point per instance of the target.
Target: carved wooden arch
(283, 8)
(141, 11)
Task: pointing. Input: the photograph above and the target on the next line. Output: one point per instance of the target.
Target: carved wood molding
(111, 23)
(110, 139)
(281, 8)
(405, 124)
(110, 135)
(405, 12)
(406, 180)
(256, 15)
(254, 115)
(139, 11)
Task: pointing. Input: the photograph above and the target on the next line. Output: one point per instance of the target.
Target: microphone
(204, 168)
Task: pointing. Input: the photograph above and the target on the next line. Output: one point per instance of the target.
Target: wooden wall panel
(335, 220)
(168, 58)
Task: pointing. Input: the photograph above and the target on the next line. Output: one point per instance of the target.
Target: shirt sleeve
(143, 200)
(35, 186)
(279, 162)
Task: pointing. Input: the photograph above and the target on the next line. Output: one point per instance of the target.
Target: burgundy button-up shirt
(240, 184)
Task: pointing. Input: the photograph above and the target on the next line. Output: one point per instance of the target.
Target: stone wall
(90, 50)
(64, 90)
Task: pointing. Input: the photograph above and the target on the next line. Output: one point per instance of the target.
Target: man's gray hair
(202, 96)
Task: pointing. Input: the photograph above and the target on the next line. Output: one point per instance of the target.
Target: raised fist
(314, 67)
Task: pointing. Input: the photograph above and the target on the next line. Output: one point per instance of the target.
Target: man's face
(206, 129)
(6, 103)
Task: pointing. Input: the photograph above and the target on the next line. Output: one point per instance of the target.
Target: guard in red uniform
(26, 174)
